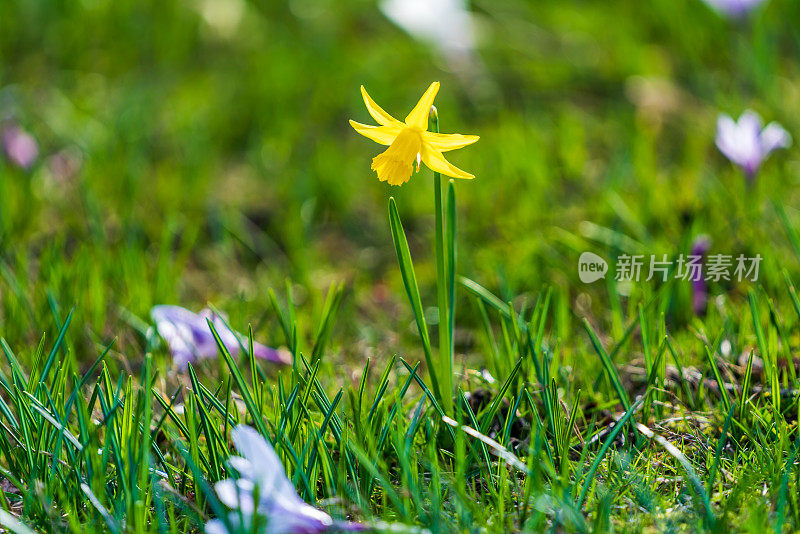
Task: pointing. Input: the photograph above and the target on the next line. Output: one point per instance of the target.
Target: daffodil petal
(383, 135)
(418, 118)
(435, 161)
(445, 142)
(377, 112)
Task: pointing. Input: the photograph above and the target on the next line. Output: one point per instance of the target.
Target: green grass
(218, 167)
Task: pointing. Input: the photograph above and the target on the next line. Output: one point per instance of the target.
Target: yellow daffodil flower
(410, 141)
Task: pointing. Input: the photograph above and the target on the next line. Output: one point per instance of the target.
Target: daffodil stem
(450, 236)
(445, 363)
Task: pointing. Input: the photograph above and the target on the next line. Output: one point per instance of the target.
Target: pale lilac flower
(18, 145)
(189, 336)
(447, 24)
(700, 247)
(746, 143)
(279, 506)
(734, 8)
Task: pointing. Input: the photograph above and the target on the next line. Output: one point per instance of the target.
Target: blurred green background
(197, 151)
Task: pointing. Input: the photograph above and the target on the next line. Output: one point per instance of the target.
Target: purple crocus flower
(190, 338)
(18, 145)
(734, 8)
(746, 143)
(283, 511)
(700, 248)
